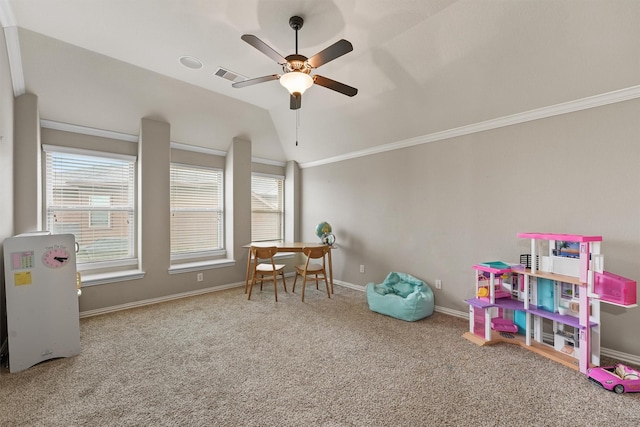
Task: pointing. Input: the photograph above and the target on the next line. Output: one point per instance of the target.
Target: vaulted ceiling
(421, 66)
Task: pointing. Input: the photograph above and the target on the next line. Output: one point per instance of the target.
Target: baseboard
(152, 301)
(607, 352)
(618, 355)
(443, 310)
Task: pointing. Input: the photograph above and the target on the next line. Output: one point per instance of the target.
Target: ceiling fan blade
(250, 82)
(295, 102)
(263, 47)
(334, 51)
(334, 85)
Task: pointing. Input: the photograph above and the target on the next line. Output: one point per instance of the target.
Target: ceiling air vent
(229, 75)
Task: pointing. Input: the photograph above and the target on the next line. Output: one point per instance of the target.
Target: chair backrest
(263, 252)
(315, 252)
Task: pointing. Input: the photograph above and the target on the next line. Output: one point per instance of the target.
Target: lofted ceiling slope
(421, 66)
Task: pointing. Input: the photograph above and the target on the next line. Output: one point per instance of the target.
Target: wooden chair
(267, 271)
(313, 271)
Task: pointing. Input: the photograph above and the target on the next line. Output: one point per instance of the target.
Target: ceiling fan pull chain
(297, 125)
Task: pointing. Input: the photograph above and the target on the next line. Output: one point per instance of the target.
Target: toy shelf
(565, 319)
(512, 304)
(552, 276)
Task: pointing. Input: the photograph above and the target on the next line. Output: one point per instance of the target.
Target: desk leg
(330, 271)
(246, 279)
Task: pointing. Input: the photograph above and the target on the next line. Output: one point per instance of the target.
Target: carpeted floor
(220, 360)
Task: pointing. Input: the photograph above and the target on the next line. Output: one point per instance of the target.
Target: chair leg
(326, 283)
(275, 288)
(304, 285)
(295, 278)
(283, 281)
(253, 281)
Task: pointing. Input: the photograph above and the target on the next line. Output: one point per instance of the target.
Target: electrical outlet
(361, 268)
(200, 277)
(438, 284)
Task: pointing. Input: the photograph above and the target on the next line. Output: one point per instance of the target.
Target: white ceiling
(421, 66)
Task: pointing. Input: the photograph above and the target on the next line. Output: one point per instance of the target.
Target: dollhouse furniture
(401, 296)
(560, 291)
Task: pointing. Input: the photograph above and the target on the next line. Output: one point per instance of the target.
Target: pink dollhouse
(560, 291)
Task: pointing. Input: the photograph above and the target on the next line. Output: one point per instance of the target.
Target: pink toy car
(618, 378)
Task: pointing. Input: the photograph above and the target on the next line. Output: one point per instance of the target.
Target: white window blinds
(196, 211)
(267, 207)
(91, 195)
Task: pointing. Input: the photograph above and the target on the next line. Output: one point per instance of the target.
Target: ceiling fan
(297, 68)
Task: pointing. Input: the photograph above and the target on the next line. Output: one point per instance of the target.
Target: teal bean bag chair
(401, 296)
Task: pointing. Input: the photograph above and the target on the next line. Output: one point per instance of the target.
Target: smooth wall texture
(6, 167)
(435, 210)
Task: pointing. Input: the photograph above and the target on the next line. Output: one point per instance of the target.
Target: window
(267, 207)
(196, 212)
(91, 194)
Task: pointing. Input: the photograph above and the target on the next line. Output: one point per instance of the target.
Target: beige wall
(6, 167)
(436, 209)
(154, 154)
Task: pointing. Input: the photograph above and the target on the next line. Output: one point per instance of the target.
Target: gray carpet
(220, 360)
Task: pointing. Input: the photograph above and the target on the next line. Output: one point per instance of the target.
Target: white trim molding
(10, 28)
(7, 18)
(151, 301)
(15, 61)
(268, 162)
(84, 130)
(607, 98)
(195, 149)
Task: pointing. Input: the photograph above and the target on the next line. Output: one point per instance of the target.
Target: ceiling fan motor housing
(296, 62)
(296, 22)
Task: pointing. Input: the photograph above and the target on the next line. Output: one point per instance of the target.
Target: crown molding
(607, 98)
(268, 162)
(195, 149)
(10, 28)
(15, 60)
(7, 19)
(84, 130)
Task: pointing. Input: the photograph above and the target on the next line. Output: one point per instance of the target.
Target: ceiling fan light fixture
(296, 82)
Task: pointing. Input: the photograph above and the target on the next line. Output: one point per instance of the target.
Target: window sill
(188, 267)
(116, 276)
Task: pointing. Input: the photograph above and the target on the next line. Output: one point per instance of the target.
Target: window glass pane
(196, 210)
(92, 197)
(99, 218)
(267, 208)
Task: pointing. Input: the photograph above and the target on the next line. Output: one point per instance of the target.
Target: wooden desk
(285, 247)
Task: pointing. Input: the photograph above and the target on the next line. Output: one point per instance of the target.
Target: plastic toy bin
(614, 288)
